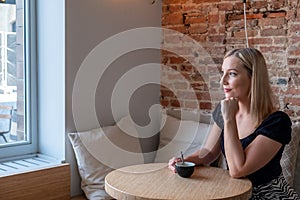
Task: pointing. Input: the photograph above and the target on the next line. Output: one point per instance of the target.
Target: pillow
(180, 135)
(289, 155)
(297, 173)
(91, 171)
(99, 151)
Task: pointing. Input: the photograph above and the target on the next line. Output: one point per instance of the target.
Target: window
(17, 78)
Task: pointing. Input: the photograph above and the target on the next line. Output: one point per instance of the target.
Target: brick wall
(190, 73)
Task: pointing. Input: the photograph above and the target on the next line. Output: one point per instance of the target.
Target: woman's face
(235, 79)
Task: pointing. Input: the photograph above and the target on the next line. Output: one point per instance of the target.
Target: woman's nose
(223, 80)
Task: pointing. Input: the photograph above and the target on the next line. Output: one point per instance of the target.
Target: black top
(276, 126)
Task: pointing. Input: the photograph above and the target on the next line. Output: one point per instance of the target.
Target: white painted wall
(51, 77)
(67, 32)
(89, 23)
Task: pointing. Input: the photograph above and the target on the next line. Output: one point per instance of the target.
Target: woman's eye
(232, 73)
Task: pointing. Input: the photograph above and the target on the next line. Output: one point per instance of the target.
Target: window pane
(12, 81)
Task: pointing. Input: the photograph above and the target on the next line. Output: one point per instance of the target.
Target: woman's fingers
(229, 107)
(171, 164)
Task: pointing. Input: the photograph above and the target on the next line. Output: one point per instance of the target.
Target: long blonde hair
(261, 95)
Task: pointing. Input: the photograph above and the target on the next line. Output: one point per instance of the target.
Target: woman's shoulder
(279, 115)
(277, 126)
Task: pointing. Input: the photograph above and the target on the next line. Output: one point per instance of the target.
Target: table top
(156, 181)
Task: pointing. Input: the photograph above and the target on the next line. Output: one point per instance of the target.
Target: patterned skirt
(277, 189)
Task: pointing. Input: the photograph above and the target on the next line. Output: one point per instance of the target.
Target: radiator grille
(26, 164)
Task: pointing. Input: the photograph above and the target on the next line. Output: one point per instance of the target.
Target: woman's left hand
(229, 108)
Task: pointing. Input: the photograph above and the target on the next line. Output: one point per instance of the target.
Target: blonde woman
(248, 129)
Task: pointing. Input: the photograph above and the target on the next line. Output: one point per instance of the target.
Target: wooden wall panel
(43, 184)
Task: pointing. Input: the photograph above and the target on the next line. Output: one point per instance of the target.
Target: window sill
(26, 164)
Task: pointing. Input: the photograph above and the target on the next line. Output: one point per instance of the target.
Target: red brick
(235, 25)
(205, 105)
(189, 95)
(186, 76)
(235, 41)
(204, 96)
(200, 86)
(165, 9)
(292, 61)
(291, 91)
(225, 6)
(176, 76)
(213, 19)
(282, 41)
(294, 51)
(278, 4)
(205, 1)
(276, 14)
(180, 28)
(212, 31)
(198, 28)
(188, 8)
(175, 103)
(171, 39)
(240, 6)
(195, 19)
(196, 76)
(290, 15)
(272, 49)
(222, 18)
(298, 16)
(199, 38)
(260, 41)
(164, 103)
(294, 101)
(273, 32)
(259, 4)
(278, 22)
(186, 67)
(235, 16)
(176, 60)
(216, 38)
(191, 104)
(174, 18)
(254, 16)
(180, 85)
(294, 28)
(166, 93)
(174, 8)
(250, 33)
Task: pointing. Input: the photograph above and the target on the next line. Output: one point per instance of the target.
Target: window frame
(30, 146)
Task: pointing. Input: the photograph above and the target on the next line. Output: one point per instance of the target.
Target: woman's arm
(207, 154)
(244, 162)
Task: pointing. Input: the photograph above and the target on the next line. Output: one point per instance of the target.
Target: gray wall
(89, 23)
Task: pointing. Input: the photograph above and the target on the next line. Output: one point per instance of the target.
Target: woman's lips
(227, 90)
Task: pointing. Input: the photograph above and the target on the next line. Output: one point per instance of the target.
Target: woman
(248, 129)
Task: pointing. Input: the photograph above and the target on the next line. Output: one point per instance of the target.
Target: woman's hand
(229, 108)
(171, 164)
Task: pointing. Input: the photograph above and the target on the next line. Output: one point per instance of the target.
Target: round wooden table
(156, 181)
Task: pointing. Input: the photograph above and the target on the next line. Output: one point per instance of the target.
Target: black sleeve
(277, 127)
(217, 116)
